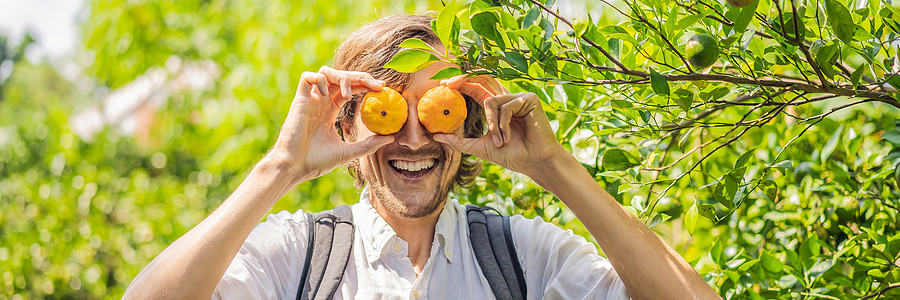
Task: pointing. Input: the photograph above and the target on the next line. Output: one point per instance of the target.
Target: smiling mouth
(413, 168)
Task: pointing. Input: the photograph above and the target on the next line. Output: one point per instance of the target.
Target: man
(410, 242)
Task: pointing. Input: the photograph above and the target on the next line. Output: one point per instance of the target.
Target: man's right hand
(308, 145)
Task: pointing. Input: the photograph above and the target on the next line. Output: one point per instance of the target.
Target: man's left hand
(519, 136)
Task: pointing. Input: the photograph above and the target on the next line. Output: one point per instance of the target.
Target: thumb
(474, 146)
(367, 146)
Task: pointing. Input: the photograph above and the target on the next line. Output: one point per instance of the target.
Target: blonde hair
(372, 46)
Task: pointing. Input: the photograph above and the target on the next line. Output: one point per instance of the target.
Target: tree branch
(665, 39)
(586, 39)
(878, 293)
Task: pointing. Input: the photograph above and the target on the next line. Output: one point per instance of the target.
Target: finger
(306, 82)
(339, 99)
(366, 147)
(491, 109)
(490, 83)
(506, 117)
(518, 107)
(455, 81)
(354, 78)
(345, 87)
(476, 91)
(473, 146)
(322, 85)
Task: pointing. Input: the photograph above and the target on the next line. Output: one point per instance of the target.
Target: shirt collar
(375, 232)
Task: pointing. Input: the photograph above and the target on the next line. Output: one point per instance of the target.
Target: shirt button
(415, 293)
(447, 253)
(398, 247)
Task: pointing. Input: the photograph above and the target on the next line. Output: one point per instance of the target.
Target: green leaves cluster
(781, 151)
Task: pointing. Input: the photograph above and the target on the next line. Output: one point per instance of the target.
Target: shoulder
(268, 263)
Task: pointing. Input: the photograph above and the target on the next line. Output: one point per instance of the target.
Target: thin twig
(879, 292)
(586, 39)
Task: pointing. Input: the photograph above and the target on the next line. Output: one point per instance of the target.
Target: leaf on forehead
(411, 60)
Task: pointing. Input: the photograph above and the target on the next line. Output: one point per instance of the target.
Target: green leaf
(840, 19)
(411, 60)
(721, 194)
(770, 189)
(685, 99)
(824, 53)
(414, 43)
(770, 263)
(485, 24)
(446, 73)
(715, 94)
(518, 61)
(809, 250)
(658, 218)
(784, 164)
(444, 23)
(532, 17)
(892, 136)
(894, 80)
(617, 159)
(688, 21)
(857, 75)
(580, 26)
(638, 203)
(708, 211)
(717, 252)
(831, 144)
(893, 247)
(744, 17)
(744, 158)
(659, 83)
(690, 218)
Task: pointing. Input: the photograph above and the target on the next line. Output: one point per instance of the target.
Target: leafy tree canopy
(765, 129)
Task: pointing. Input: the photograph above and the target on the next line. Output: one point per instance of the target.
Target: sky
(53, 23)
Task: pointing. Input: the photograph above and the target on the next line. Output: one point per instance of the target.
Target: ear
(347, 129)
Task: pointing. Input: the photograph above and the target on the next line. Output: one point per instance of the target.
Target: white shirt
(557, 264)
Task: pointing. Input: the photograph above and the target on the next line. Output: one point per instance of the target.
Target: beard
(391, 203)
(409, 208)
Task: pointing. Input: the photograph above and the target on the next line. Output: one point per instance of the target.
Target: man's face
(412, 176)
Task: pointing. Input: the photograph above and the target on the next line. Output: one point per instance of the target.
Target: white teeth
(413, 165)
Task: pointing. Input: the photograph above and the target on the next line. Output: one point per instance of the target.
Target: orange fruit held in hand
(442, 110)
(383, 112)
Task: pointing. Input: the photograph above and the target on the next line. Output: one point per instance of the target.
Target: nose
(413, 134)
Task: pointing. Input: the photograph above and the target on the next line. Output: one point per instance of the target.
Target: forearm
(192, 266)
(649, 268)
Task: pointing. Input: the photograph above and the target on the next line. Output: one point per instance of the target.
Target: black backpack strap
(492, 243)
(330, 244)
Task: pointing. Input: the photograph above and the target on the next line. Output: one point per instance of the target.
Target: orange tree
(766, 131)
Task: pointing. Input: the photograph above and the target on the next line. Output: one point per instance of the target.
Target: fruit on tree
(525, 194)
(383, 112)
(442, 110)
(740, 3)
(702, 50)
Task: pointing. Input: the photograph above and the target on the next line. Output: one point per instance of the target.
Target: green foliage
(784, 152)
